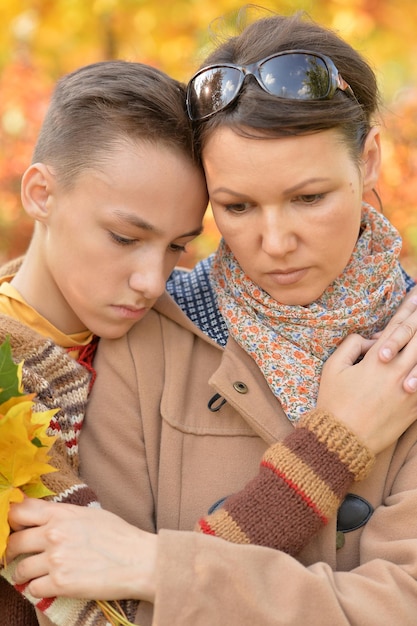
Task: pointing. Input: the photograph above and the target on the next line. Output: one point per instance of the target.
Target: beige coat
(157, 456)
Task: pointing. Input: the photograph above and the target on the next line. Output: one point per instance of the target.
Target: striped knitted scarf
(291, 343)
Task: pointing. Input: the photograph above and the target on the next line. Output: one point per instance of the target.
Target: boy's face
(109, 244)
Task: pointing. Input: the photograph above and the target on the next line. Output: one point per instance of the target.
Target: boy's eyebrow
(193, 233)
(138, 222)
(134, 220)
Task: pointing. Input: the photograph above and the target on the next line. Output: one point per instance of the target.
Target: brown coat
(156, 455)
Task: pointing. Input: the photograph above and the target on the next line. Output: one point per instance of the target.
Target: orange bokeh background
(42, 39)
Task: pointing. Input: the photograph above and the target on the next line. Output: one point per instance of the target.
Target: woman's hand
(374, 398)
(399, 332)
(80, 552)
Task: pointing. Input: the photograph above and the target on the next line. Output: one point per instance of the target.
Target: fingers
(34, 571)
(71, 554)
(24, 542)
(401, 329)
(406, 362)
(369, 396)
(410, 384)
(31, 569)
(29, 512)
(349, 352)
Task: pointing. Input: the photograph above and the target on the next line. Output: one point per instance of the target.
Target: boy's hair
(102, 105)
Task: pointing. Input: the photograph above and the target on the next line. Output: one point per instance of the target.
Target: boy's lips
(130, 312)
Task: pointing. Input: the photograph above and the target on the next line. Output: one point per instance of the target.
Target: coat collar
(252, 397)
(260, 409)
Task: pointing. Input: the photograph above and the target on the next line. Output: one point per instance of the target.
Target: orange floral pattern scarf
(291, 343)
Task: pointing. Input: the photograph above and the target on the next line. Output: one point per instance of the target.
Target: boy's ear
(371, 159)
(36, 188)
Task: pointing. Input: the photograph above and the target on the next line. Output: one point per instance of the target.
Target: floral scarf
(291, 343)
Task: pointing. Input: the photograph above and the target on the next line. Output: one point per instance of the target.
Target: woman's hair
(100, 106)
(256, 113)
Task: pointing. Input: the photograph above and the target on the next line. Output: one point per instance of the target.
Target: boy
(116, 194)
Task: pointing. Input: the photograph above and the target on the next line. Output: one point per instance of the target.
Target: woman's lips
(288, 277)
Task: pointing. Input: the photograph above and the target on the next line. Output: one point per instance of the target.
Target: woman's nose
(278, 237)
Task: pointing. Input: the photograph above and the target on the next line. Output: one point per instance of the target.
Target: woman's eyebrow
(303, 183)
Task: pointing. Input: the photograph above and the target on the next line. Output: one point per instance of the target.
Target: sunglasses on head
(291, 75)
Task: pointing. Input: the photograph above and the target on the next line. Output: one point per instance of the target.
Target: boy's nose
(148, 281)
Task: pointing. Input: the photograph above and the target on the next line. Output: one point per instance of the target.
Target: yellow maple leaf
(24, 456)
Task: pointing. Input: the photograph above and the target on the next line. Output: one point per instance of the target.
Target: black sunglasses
(291, 75)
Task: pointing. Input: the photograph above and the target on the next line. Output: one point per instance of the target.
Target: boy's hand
(80, 552)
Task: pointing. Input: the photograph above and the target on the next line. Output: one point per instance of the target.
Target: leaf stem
(116, 617)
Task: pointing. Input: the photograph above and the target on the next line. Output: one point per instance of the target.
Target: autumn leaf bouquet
(25, 448)
(25, 444)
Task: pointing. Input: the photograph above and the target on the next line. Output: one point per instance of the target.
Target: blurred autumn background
(42, 39)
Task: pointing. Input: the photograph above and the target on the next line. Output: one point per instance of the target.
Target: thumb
(352, 348)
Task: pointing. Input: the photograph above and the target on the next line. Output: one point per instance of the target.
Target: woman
(297, 239)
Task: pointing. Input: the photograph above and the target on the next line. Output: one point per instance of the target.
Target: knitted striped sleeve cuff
(301, 483)
(66, 484)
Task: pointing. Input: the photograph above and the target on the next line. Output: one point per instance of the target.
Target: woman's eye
(310, 198)
(238, 207)
(122, 241)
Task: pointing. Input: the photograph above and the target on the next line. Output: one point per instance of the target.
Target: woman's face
(289, 208)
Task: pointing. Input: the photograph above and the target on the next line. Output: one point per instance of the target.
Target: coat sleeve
(247, 584)
(301, 482)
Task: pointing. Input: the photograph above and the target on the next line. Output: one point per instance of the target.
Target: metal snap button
(240, 387)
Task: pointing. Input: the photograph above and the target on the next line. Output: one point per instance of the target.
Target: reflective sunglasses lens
(212, 90)
(296, 76)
